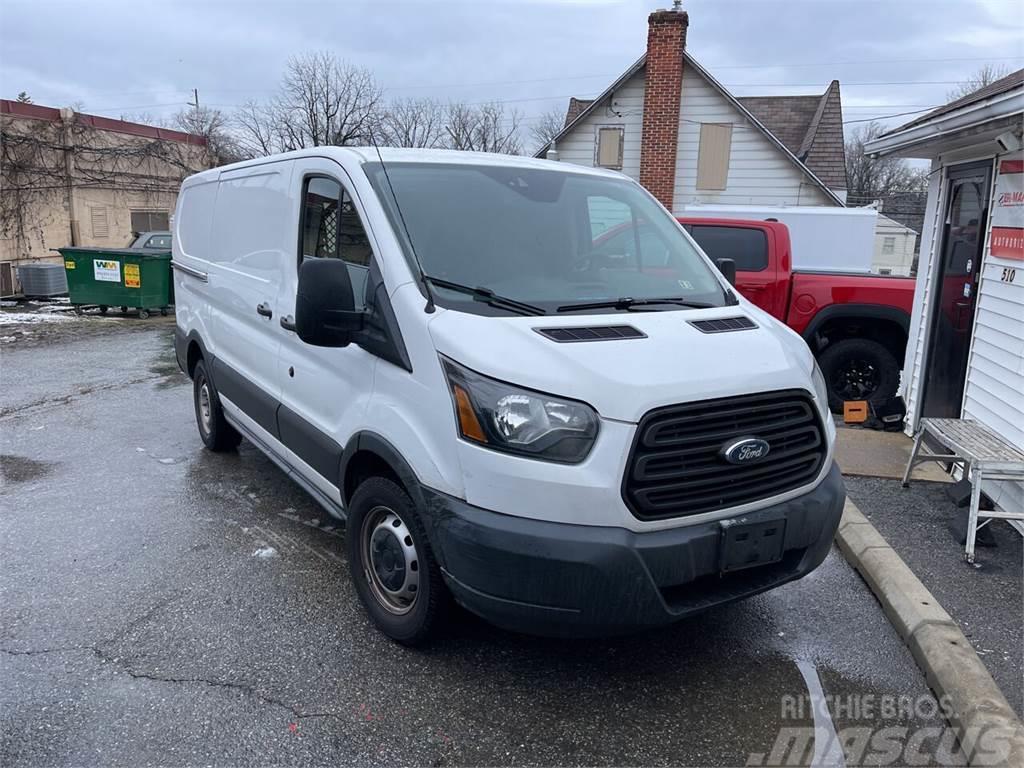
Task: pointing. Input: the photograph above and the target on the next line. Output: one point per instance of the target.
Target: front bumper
(573, 580)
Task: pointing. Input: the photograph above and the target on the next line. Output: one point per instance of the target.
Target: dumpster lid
(118, 252)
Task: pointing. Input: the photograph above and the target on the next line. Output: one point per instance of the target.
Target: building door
(956, 288)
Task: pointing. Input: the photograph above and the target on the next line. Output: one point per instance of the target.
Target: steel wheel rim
(390, 560)
(205, 407)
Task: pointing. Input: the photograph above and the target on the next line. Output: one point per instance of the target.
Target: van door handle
(288, 323)
(264, 309)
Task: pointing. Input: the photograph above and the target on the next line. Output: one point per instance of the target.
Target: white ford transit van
(568, 432)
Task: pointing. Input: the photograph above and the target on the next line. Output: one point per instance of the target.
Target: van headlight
(820, 389)
(508, 418)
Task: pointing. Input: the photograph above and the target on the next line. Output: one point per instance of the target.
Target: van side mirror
(728, 269)
(325, 314)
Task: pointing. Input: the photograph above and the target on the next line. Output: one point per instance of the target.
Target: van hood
(673, 362)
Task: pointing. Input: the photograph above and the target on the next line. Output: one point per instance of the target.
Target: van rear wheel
(393, 568)
(216, 433)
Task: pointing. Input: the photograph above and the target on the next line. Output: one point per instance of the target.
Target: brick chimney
(663, 85)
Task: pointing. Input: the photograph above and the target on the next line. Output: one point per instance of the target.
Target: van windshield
(548, 238)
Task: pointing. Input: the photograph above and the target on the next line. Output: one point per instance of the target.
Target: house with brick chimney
(667, 122)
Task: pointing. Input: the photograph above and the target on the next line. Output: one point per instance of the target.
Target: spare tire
(858, 369)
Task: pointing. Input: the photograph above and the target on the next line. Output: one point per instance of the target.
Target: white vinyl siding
(759, 172)
(994, 389)
(626, 110)
(713, 156)
(994, 394)
(917, 340)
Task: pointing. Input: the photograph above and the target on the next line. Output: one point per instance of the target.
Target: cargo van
(565, 438)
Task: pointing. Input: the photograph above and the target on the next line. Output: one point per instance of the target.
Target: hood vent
(591, 333)
(724, 324)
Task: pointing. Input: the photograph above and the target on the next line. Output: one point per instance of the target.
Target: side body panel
(251, 247)
(814, 292)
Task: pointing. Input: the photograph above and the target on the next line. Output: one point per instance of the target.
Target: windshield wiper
(487, 296)
(626, 302)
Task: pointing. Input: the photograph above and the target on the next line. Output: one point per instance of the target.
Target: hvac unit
(43, 279)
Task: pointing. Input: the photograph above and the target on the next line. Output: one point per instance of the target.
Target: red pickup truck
(855, 324)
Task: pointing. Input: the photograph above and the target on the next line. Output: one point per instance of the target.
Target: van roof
(400, 155)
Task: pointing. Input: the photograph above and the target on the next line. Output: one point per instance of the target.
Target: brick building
(76, 179)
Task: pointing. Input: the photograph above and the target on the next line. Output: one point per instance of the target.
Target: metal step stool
(984, 455)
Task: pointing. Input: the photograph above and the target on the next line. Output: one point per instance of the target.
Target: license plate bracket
(746, 545)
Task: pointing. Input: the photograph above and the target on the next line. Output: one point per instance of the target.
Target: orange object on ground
(855, 411)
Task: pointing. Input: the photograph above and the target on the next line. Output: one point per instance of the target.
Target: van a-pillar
(663, 86)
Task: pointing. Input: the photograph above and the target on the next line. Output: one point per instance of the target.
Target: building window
(98, 219)
(609, 148)
(713, 155)
(150, 221)
(888, 246)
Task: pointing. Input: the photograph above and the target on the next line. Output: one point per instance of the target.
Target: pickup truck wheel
(216, 433)
(393, 569)
(858, 369)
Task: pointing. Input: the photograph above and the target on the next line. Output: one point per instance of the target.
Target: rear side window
(159, 241)
(332, 229)
(747, 247)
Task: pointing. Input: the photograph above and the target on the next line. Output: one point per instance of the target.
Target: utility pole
(195, 101)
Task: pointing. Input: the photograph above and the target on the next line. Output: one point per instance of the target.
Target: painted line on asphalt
(828, 752)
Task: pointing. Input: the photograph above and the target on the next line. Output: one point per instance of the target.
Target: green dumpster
(119, 277)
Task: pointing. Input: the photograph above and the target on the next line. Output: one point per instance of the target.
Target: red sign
(1007, 239)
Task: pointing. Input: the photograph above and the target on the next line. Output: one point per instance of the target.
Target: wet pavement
(986, 599)
(164, 605)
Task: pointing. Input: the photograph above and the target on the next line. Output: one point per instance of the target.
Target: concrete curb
(975, 706)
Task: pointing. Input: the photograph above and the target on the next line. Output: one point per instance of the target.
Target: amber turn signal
(468, 422)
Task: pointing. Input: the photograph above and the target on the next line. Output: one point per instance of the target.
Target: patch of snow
(31, 318)
(265, 552)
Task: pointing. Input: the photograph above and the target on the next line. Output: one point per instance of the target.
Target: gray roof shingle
(811, 127)
(1002, 85)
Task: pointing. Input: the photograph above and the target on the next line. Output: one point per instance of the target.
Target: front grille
(676, 467)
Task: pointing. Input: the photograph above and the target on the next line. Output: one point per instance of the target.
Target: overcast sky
(119, 57)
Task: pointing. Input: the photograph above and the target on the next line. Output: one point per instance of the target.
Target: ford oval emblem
(745, 450)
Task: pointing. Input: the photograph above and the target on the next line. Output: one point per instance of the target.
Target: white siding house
(972, 300)
(759, 172)
(688, 140)
(894, 248)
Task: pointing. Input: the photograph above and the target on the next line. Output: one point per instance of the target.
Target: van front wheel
(216, 433)
(393, 569)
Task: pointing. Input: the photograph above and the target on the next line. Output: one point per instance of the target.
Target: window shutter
(713, 155)
(100, 226)
(609, 148)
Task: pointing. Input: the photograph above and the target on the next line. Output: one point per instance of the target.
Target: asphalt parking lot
(163, 605)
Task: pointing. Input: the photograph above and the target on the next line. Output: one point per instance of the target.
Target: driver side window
(331, 229)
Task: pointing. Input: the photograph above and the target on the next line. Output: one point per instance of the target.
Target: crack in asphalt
(68, 399)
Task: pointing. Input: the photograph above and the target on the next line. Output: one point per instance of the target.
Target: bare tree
(870, 178)
(320, 101)
(213, 126)
(984, 76)
(413, 123)
(547, 126)
(483, 128)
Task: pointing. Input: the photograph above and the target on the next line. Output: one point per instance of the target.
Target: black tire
(143, 313)
(103, 309)
(163, 312)
(372, 510)
(124, 310)
(216, 433)
(858, 369)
